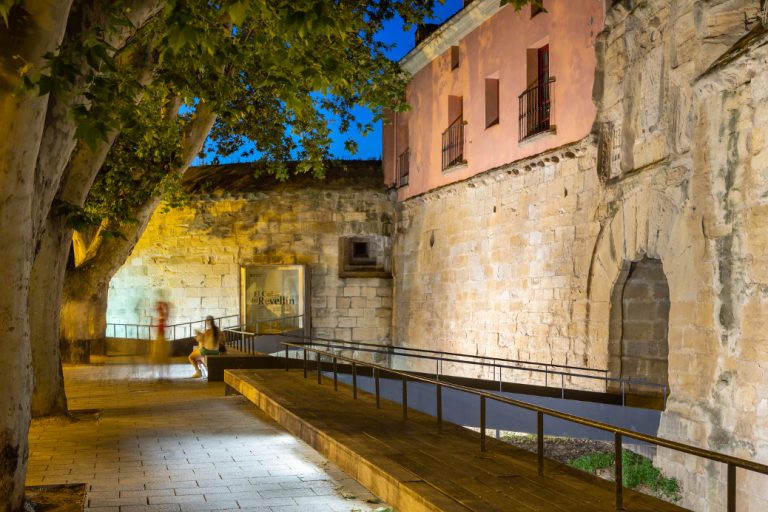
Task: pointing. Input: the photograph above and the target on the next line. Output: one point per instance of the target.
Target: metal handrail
(246, 341)
(547, 371)
(442, 352)
(187, 332)
(619, 432)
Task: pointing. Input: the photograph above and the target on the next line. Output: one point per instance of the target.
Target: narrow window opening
(454, 57)
(491, 102)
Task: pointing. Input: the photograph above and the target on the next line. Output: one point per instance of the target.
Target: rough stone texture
(688, 94)
(498, 265)
(639, 324)
(193, 255)
(522, 261)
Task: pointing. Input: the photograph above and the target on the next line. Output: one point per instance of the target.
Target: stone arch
(646, 224)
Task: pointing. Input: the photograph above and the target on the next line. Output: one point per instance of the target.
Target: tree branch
(84, 250)
(195, 134)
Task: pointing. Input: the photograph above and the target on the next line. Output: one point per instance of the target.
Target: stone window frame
(364, 264)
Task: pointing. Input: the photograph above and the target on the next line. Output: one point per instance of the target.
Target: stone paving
(180, 445)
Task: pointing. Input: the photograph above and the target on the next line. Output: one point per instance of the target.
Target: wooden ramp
(412, 466)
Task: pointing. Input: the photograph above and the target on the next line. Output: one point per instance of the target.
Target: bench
(216, 364)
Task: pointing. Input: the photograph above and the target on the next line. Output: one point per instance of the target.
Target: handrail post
(540, 441)
(335, 375)
(286, 358)
(354, 380)
(619, 473)
(622, 392)
(319, 363)
(405, 397)
(439, 399)
(731, 490)
(562, 385)
(378, 390)
(305, 363)
(482, 423)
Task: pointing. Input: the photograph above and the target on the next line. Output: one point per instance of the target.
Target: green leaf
(5, 9)
(238, 12)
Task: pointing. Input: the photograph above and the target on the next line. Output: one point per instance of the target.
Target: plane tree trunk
(22, 121)
(84, 301)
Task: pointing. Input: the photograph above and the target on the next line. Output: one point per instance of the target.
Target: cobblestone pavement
(179, 445)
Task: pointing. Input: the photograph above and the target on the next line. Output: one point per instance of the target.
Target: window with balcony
(453, 136)
(536, 101)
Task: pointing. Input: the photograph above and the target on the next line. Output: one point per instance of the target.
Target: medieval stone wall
(192, 256)
(682, 110)
(498, 265)
(522, 261)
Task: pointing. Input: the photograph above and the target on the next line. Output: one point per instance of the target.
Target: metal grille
(536, 108)
(453, 144)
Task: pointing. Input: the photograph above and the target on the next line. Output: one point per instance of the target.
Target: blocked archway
(638, 349)
(646, 225)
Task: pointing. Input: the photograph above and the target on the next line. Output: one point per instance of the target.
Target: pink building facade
(491, 86)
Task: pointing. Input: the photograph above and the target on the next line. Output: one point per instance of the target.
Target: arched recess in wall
(646, 225)
(639, 324)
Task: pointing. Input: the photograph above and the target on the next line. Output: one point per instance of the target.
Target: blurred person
(159, 354)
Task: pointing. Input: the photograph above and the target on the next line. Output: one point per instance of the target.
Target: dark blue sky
(370, 146)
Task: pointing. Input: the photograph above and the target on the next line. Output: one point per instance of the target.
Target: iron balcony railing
(403, 164)
(536, 109)
(619, 433)
(453, 144)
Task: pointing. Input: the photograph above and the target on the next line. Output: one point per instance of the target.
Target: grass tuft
(638, 471)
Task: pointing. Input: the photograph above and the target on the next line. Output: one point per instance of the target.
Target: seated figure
(208, 343)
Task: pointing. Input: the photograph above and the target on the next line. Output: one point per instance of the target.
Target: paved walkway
(180, 445)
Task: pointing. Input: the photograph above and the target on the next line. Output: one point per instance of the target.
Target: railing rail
(248, 342)
(618, 432)
(172, 332)
(403, 167)
(552, 372)
(453, 144)
(535, 105)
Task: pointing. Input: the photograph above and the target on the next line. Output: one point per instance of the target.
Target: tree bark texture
(22, 120)
(46, 286)
(73, 178)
